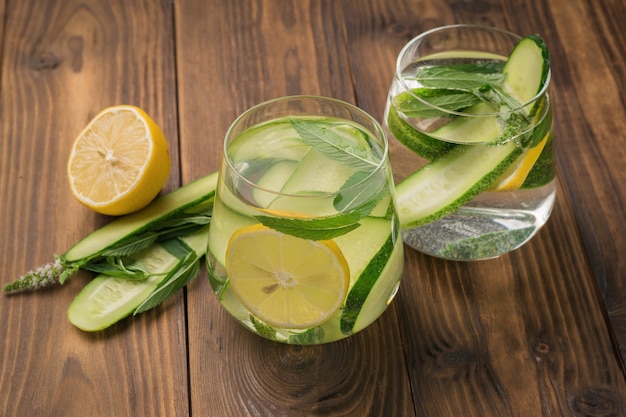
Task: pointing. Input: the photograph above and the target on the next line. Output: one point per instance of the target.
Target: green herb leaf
(180, 276)
(319, 134)
(119, 266)
(131, 245)
(498, 99)
(177, 248)
(185, 220)
(175, 227)
(362, 198)
(444, 98)
(323, 228)
(461, 76)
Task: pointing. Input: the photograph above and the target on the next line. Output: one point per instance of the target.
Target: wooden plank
(232, 55)
(62, 62)
(506, 336)
(593, 144)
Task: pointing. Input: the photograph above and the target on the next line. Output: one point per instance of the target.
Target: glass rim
(398, 70)
(379, 134)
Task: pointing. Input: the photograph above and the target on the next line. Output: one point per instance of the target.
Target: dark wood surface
(538, 332)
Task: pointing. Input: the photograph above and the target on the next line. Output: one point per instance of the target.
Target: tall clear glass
(304, 245)
(473, 151)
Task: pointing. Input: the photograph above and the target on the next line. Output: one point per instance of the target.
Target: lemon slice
(515, 176)
(119, 162)
(286, 281)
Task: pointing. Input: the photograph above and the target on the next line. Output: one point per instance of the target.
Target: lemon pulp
(286, 281)
(119, 162)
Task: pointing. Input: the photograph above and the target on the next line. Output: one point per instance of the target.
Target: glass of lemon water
(471, 114)
(304, 245)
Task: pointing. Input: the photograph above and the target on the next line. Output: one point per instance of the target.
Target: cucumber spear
(109, 249)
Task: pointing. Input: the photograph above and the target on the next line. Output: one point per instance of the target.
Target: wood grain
(593, 149)
(60, 66)
(538, 332)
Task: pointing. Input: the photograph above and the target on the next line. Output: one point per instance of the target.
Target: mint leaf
(444, 98)
(181, 275)
(132, 245)
(498, 99)
(461, 76)
(322, 228)
(174, 227)
(118, 266)
(319, 135)
(364, 197)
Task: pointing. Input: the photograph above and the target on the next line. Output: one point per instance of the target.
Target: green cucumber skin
(420, 143)
(544, 170)
(363, 285)
(164, 207)
(520, 62)
(450, 202)
(81, 311)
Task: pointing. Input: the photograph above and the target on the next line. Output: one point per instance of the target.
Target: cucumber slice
(484, 128)
(274, 139)
(180, 200)
(106, 300)
(317, 174)
(543, 170)
(314, 177)
(375, 287)
(452, 180)
(527, 70)
(418, 142)
(375, 258)
(273, 180)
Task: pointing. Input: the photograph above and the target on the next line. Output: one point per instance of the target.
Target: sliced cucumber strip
(275, 139)
(272, 182)
(315, 177)
(487, 245)
(543, 171)
(375, 268)
(452, 180)
(106, 300)
(418, 142)
(317, 174)
(527, 69)
(483, 128)
(374, 289)
(178, 201)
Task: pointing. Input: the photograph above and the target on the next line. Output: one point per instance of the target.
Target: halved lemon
(286, 281)
(119, 162)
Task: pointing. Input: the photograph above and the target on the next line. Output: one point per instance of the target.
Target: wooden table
(538, 332)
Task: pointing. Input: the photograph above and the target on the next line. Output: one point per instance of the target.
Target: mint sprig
(319, 228)
(461, 76)
(320, 135)
(433, 100)
(353, 195)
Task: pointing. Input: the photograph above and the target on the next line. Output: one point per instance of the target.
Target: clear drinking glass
(473, 155)
(304, 245)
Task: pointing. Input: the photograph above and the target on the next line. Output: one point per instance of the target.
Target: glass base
(476, 233)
